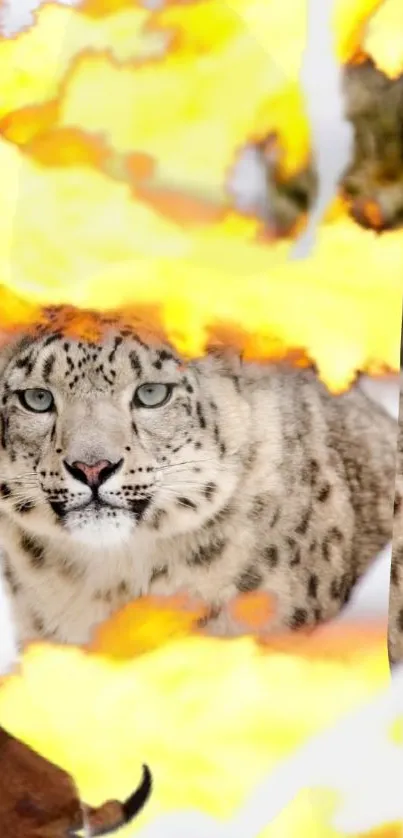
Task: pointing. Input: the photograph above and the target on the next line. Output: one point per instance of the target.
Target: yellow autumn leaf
(285, 118)
(34, 63)
(165, 707)
(182, 110)
(350, 21)
(256, 294)
(383, 38)
(178, 110)
(310, 815)
(396, 732)
(275, 30)
(280, 28)
(79, 219)
(72, 236)
(208, 28)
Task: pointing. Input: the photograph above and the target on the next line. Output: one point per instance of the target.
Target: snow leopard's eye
(36, 400)
(152, 395)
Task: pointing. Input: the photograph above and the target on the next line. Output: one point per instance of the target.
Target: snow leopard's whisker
(20, 493)
(25, 486)
(23, 497)
(16, 488)
(22, 490)
(24, 474)
(180, 497)
(191, 463)
(184, 478)
(23, 478)
(202, 477)
(174, 488)
(17, 492)
(189, 467)
(178, 501)
(33, 504)
(186, 484)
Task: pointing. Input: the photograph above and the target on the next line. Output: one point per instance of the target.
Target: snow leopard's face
(100, 440)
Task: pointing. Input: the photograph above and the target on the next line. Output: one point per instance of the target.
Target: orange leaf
(254, 610)
(383, 38)
(183, 209)
(147, 624)
(391, 830)
(332, 641)
(69, 147)
(140, 166)
(23, 125)
(370, 213)
(103, 8)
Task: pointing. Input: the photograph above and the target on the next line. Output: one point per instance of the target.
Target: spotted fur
(395, 633)
(247, 478)
(374, 108)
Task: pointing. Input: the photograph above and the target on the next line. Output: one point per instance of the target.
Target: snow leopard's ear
(226, 361)
(11, 345)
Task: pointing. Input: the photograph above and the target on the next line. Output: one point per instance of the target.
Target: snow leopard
(395, 624)
(127, 470)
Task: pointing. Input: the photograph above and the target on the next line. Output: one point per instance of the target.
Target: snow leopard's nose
(92, 474)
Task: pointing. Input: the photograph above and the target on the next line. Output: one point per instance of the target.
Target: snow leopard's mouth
(95, 505)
